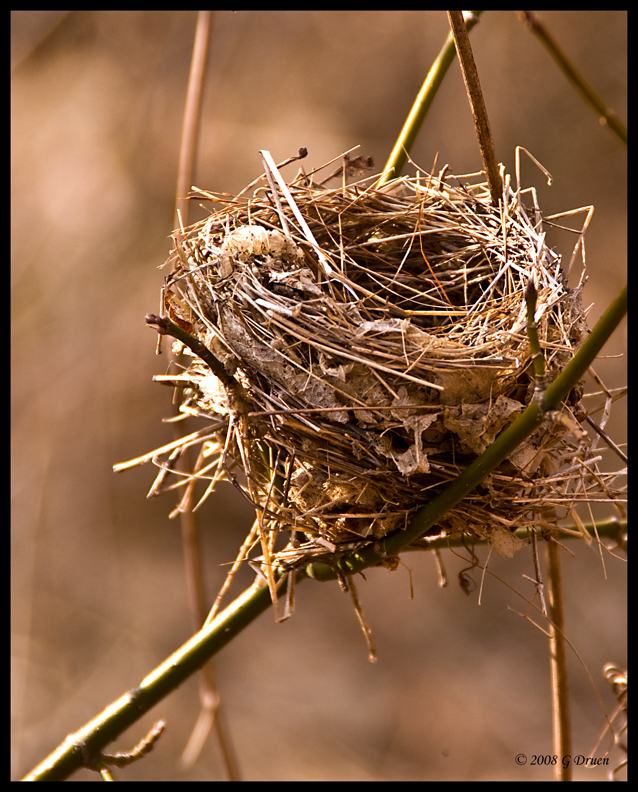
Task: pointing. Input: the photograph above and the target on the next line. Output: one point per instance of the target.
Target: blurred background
(98, 589)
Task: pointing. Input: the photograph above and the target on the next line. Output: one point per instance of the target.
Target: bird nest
(369, 343)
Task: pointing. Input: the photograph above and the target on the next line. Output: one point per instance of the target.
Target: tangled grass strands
(373, 343)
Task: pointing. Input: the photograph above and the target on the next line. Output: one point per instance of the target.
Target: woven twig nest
(374, 342)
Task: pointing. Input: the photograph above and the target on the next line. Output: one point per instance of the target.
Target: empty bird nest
(356, 348)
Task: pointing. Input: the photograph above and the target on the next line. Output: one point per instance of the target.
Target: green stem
(130, 707)
(612, 528)
(606, 114)
(116, 718)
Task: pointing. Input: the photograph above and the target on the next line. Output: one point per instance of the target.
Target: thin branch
(531, 296)
(605, 114)
(164, 326)
(477, 103)
(613, 529)
(399, 154)
(561, 721)
(145, 746)
(89, 741)
(192, 116)
(540, 586)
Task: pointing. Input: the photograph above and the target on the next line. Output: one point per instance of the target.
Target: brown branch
(164, 326)
(192, 114)
(561, 721)
(477, 103)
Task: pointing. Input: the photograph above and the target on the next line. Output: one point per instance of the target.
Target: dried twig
(477, 103)
(558, 664)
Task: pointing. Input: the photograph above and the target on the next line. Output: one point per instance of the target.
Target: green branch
(606, 114)
(613, 528)
(87, 743)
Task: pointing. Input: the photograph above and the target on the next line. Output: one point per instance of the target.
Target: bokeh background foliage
(98, 588)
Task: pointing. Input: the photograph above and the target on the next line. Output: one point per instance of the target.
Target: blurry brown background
(99, 596)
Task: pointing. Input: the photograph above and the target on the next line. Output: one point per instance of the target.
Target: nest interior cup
(375, 343)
